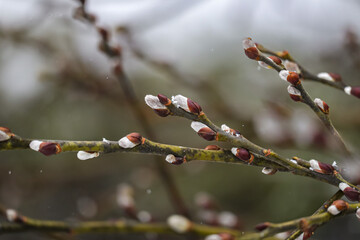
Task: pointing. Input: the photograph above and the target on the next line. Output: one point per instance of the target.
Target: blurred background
(56, 84)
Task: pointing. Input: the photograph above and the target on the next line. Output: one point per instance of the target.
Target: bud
(231, 131)
(212, 147)
(203, 131)
(332, 77)
(131, 140)
(337, 207)
(294, 93)
(358, 213)
(291, 66)
(220, 236)
(164, 99)
(83, 155)
(320, 167)
(355, 91)
(228, 219)
(5, 134)
(268, 171)
(187, 104)
(179, 224)
(291, 77)
(274, 59)
(46, 148)
(243, 154)
(11, 215)
(250, 48)
(125, 199)
(156, 105)
(262, 226)
(349, 192)
(144, 216)
(322, 105)
(170, 158)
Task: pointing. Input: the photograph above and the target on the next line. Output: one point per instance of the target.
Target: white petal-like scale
(106, 141)
(11, 215)
(314, 164)
(283, 74)
(35, 145)
(292, 90)
(154, 102)
(325, 75)
(126, 143)
(197, 126)
(179, 223)
(227, 219)
(248, 43)
(234, 150)
(291, 66)
(3, 136)
(301, 237)
(267, 171)
(83, 155)
(213, 237)
(319, 103)
(333, 210)
(347, 90)
(170, 158)
(343, 185)
(225, 128)
(264, 65)
(180, 102)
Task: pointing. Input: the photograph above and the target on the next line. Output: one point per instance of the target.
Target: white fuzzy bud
(213, 237)
(180, 102)
(179, 224)
(227, 219)
(358, 213)
(35, 145)
(154, 102)
(225, 128)
(268, 171)
(333, 210)
(343, 185)
(325, 76)
(3, 136)
(283, 74)
(347, 90)
(292, 90)
(248, 43)
(83, 155)
(126, 143)
(11, 215)
(291, 66)
(314, 164)
(170, 158)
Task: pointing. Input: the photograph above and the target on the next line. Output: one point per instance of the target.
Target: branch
(292, 74)
(331, 79)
